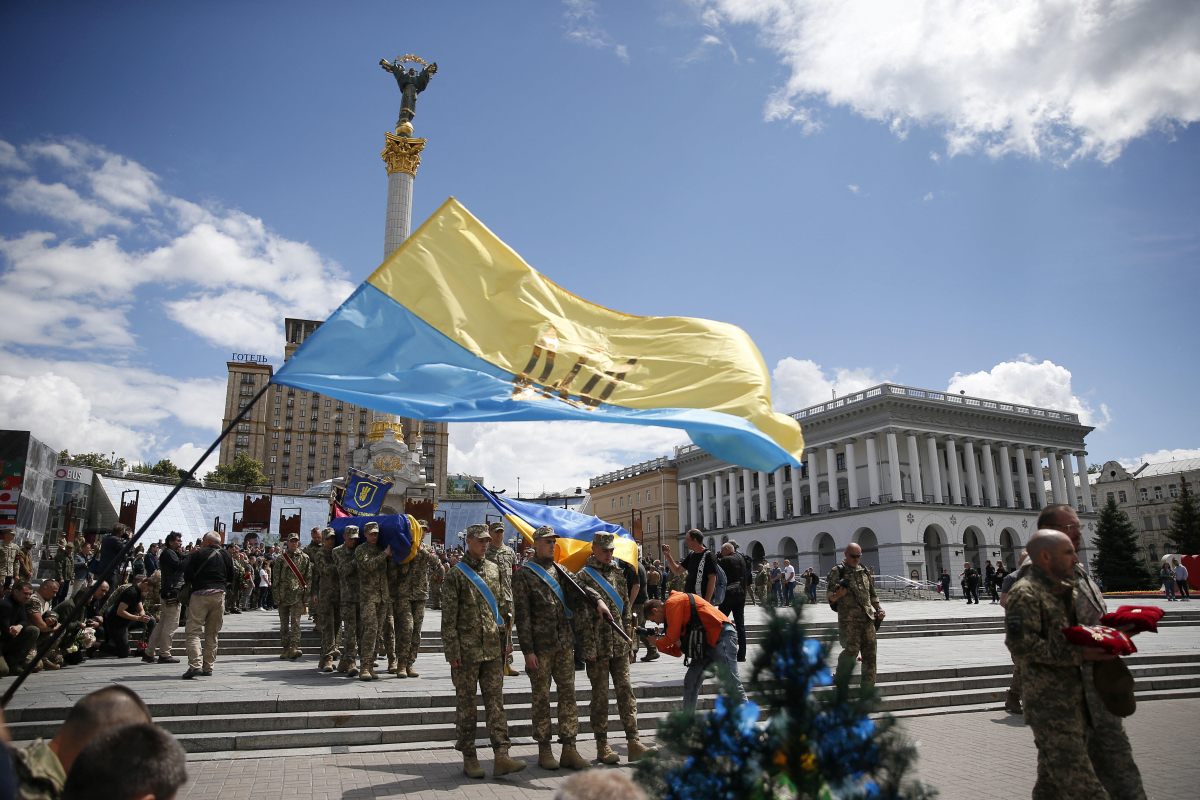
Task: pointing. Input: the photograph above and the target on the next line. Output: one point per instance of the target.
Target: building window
(1147, 523)
(1162, 522)
(242, 441)
(1158, 493)
(1122, 497)
(1143, 494)
(272, 459)
(1110, 497)
(1174, 490)
(275, 447)
(244, 427)
(841, 461)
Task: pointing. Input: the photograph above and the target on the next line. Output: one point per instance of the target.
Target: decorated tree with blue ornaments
(802, 734)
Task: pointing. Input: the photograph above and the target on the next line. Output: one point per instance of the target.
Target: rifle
(566, 577)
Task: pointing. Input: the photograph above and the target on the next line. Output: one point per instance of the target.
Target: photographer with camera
(850, 591)
(701, 634)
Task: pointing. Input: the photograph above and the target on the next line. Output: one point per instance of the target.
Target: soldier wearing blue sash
(607, 653)
(543, 619)
(476, 605)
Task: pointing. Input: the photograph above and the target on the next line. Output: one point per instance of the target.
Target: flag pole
(46, 646)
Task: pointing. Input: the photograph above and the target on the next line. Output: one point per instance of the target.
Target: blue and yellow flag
(455, 327)
(574, 530)
(400, 532)
(364, 493)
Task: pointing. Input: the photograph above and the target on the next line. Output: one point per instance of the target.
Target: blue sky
(999, 201)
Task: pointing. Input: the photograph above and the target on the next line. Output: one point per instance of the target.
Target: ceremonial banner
(401, 532)
(454, 326)
(364, 493)
(574, 530)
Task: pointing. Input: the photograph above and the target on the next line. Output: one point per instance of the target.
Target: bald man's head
(101, 711)
(1052, 552)
(212, 539)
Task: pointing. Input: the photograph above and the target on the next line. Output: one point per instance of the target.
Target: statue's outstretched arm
(384, 63)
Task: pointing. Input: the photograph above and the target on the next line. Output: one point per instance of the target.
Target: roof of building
(1168, 468)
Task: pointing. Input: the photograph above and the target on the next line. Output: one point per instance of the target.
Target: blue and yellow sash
(608, 588)
(483, 589)
(552, 583)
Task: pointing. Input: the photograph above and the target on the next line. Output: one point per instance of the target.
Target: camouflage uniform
(856, 614)
(760, 585)
(472, 638)
(606, 653)
(543, 628)
(311, 550)
(8, 562)
(325, 585)
(347, 570)
(1107, 744)
(1038, 609)
(233, 597)
(372, 602)
(505, 558)
(24, 567)
(40, 775)
(409, 591)
(289, 598)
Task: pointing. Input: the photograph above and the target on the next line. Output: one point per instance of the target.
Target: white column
(779, 493)
(972, 472)
(1069, 479)
(814, 491)
(894, 468)
(831, 477)
(956, 493)
(935, 469)
(719, 491)
(1056, 478)
(989, 475)
(693, 505)
(683, 521)
(914, 468)
(872, 469)
(732, 477)
(762, 497)
(747, 495)
(851, 474)
(1023, 478)
(706, 500)
(1039, 483)
(796, 503)
(1081, 462)
(1006, 477)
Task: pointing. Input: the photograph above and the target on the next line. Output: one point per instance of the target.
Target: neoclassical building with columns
(922, 480)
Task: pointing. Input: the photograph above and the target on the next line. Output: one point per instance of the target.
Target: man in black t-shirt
(126, 610)
(699, 565)
(734, 604)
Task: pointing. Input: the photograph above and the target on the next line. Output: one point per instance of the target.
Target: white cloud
(1030, 382)
(10, 159)
(1160, 456)
(583, 26)
(231, 319)
(853, 187)
(928, 196)
(1058, 79)
(60, 202)
(125, 184)
(56, 411)
(799, 383)
(553, 456)
(184, 456)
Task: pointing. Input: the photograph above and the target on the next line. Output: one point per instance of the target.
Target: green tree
(244, 471)
(1184, 532)
(91, 461)
(165, 468)
(1116, 561)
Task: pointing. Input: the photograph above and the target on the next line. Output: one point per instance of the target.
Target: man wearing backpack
(734, 604)
(851, 592)
(707, 634)
(700, 566)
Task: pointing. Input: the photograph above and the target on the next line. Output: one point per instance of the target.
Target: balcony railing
(895, 390)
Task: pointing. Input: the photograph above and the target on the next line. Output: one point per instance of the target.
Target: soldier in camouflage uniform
(1107, 743)
(241, 576)
(325, 587)
(311, 550)
(850, 586)
(24, 566)
(1040, 605)
(409, 591)
(290, 590)
(543, 610)
(347, 570)
(604, 651)
(373, 598)
(8, 558)
(505, 558)
(473, 623)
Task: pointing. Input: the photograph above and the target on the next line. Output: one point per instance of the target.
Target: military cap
(328, 533)
(544, 532)
(496, 526)
(28, 543)
(605, 541)
(295, 537)
(350, 532)
(478, 531)
(371, 526)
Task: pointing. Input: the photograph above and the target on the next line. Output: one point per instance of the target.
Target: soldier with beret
(347, 570)
(505, 558)
(291, 575)
(476, 607)
(373, 598)
(325, 588)
(606, 653)
(543, 610)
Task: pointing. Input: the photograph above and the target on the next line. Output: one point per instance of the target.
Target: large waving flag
(364, 493)
(455, 327)
(574, 530)
(399, 531)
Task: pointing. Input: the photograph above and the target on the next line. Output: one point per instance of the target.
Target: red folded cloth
(1142, 618)
(1110, 640)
